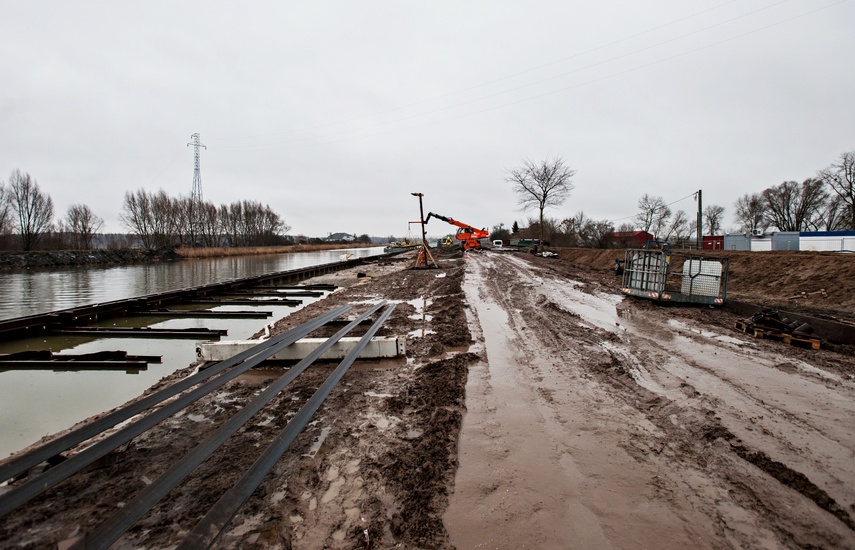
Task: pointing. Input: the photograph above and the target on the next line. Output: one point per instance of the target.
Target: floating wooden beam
(244, 302)
(142, 332)
(201, 313)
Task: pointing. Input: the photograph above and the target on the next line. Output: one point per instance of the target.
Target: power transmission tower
(196, 191)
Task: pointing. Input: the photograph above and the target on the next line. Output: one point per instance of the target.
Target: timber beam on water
(142, 332)
(200, 313)
(245, 302)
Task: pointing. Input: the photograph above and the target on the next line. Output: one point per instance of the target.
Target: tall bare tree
(33, 209)
(713, 216)
(751, 212)
(678, 226)
(136, 215)
(82, 224)
(840, 178)
(6, 219)
(791, 206)
(653, 214)
(541, 185)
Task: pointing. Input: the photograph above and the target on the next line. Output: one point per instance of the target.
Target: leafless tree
(713, 216)
(81, 224)
(751, 212)
(597, 234)
(136, 215)
(653, 214)
(678, 226)
(542, 185)
(835, 215)
(6, 219)
(840, 178)
(794, 207)
(153, 217)
(33, 209)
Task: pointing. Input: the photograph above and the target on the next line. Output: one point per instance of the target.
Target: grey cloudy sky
(333, 112)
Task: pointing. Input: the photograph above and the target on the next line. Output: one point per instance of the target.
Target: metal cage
(675, 276)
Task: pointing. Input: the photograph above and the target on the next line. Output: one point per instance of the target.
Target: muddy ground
(536, 408)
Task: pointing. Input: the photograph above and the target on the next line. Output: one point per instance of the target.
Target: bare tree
(34, 209)
(713, 216)
(153, 217)
(751, 212)
(137, 217)
(6, 219)
(794, 207)
(840, 178)
(597, 234)
(82, 224)
(541, 185)
(653, 214)
(678, 225)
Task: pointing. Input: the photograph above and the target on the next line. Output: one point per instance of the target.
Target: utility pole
(700, 221)
(424, 252)
(196, 191)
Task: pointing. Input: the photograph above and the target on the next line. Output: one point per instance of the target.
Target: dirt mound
(768, 278)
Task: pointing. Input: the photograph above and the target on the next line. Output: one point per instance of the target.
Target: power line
(694, 194)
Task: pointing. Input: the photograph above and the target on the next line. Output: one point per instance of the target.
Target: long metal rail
(220, 515)
(35, 486)
(108, 532)
(24, 461)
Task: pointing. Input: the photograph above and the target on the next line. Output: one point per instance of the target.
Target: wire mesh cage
(675, 276)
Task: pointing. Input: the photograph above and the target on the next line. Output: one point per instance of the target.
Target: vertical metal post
(424, 254)
(421, 217)
(700, 221)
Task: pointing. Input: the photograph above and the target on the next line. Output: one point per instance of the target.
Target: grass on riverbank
(257, 250)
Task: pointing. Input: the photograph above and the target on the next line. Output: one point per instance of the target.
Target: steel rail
(220, 515)
(23, 461)
(110, 530)
(34, 487)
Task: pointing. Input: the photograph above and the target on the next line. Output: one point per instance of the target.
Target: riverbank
(74, 258)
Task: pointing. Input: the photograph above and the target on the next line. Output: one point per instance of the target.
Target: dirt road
(594, 422)
(535, 408)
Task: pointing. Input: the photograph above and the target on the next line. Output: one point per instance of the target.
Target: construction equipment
(468, 235)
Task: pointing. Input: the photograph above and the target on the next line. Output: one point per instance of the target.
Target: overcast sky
(334, 112)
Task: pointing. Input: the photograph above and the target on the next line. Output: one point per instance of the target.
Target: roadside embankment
(73, 258)
(770, 278)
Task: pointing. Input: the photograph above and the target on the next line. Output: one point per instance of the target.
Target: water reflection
(37, 403)
(43, 290)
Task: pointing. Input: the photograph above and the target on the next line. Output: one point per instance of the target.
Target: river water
(38, 403)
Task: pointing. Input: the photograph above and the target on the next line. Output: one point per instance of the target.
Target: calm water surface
(38, 403)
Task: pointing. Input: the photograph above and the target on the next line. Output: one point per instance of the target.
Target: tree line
(160, 220)
(824, 202)
(155, 219)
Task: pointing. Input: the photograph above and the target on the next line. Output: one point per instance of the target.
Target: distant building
(631, 239)
(339, 237)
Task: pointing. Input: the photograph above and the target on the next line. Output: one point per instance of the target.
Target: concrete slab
(378, 348)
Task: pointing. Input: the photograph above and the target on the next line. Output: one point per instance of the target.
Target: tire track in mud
(688, 426)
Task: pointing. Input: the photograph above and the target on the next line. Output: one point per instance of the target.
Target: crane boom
(469, 235)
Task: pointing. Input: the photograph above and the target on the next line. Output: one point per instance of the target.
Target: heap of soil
(766, 278)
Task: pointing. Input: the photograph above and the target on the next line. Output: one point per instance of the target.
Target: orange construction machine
(470, 236)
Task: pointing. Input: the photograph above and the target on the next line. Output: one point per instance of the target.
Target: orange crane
(466, 233)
